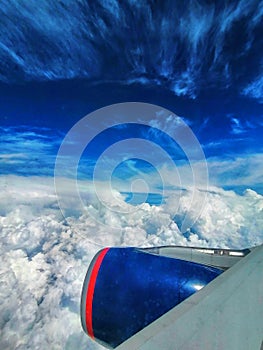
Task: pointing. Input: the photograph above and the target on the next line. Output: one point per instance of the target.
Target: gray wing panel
(226, 314)
(221, 258)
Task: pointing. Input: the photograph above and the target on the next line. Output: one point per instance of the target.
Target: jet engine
(125, 289)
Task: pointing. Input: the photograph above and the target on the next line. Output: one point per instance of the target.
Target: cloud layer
(45, 256)
(32, 151)
(28, 150)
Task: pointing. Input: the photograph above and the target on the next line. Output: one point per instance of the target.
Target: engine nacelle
(126, 289)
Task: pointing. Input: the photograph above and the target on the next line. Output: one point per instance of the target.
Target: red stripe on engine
(90, 291)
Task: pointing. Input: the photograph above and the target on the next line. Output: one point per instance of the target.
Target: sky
(202, 61)
(178, 159)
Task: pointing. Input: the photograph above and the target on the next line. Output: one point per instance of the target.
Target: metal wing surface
(226, 314)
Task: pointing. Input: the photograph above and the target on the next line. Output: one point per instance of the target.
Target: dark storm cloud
(185, 47)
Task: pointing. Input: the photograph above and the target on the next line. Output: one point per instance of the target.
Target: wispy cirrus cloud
(237, 127)
(28, 150)
(255, 88)
(186, 49)
(241, 171)
(159, 163)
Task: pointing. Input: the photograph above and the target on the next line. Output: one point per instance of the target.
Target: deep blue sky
(201, 60)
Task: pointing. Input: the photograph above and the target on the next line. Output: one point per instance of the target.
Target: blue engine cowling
(126, 289)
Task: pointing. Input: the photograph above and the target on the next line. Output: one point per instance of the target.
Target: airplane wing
(226, 314)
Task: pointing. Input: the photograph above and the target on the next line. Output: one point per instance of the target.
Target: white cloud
(45, 257)
(255, 88)
(41, 272)
(185, 84)
(22, 149)
(239, 171)
(237, 127)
